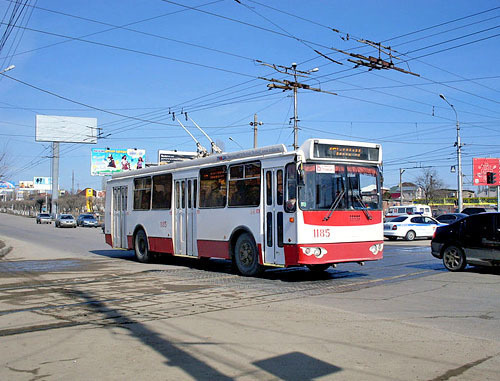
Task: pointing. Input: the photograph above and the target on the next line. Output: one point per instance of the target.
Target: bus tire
(246, 256)
(141, 247)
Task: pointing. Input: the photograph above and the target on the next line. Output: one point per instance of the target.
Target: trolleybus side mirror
(300, 177)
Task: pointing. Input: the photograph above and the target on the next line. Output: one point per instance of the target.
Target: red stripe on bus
(130, 242)
(215, 249)
(161, 245)
(109, 240)
(342, 218)
(336, 253)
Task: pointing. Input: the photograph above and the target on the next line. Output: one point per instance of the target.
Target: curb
(4, 250)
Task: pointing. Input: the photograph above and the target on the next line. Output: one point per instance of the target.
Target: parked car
(410, 227)
(87, 220)
(65, 221)
(449, 218)
(43, 218)
(473, 240)
(477, 209)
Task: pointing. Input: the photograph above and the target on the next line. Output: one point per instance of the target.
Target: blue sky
(131, 59)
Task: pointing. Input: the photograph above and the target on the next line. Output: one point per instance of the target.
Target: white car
(410, 227)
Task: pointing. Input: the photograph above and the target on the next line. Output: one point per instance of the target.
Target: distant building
(410, 192)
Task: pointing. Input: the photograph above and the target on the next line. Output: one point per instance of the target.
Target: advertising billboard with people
(105, 161)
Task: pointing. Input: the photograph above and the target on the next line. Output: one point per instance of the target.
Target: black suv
(477, 209)
(473, 240)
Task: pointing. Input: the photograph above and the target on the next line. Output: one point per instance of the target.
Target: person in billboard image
(140, 162)
(111, 162)
(125, 163)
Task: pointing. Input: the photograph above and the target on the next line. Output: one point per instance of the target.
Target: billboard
(486, 171)
(106, 161)
(42, 183)
(66, 129)
(165, 157)
(26, 184)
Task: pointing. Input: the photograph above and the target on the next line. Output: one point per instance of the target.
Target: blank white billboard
(66, 129)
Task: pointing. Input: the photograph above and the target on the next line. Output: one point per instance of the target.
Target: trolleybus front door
(273, 216)
(185, 217)
(119, 212)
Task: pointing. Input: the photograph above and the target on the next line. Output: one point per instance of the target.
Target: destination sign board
(337, 151)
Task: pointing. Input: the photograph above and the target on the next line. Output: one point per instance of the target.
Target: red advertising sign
(486, 171)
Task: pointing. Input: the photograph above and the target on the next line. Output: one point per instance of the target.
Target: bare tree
(430, 184)
(3, 163)
(72, 203)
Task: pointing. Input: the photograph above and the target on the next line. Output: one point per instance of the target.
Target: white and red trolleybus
(315, 206)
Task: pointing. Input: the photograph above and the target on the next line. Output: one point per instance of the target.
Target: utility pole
(73, 182)
(255, 124)
(55, 177)
(401, 171)
(458, 144)
(292, 85)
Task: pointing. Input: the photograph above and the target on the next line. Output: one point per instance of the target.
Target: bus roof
(212, 159)
(311, 149)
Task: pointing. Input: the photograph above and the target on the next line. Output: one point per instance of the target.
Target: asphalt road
(71, 307)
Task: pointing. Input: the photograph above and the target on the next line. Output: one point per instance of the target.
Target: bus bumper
(312, 254)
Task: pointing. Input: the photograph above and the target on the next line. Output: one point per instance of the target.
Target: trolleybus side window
(244, 184)
(162, 191)
(269, 188)
(213, 187)
(291, 188)
(142, 193)
(177, 195)
(279, 187)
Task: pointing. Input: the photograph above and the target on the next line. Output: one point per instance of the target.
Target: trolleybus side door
(273, 216)
(185, 217)
(119, 210)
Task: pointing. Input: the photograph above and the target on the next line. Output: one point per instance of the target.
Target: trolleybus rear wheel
(141, 247)
(246, 257)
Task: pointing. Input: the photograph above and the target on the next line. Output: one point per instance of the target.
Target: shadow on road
(174, 356)
(296, 366)
(222, 266)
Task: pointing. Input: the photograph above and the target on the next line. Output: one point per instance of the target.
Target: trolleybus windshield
(348, 186)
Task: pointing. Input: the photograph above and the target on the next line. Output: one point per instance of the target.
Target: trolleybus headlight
(375, 249)
(318, 252)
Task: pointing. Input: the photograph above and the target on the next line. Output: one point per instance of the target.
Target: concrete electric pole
(458, 144)
(292, 85)
(255, 123)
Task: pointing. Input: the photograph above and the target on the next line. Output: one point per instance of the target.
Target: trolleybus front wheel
(246, 257)
(141, 247)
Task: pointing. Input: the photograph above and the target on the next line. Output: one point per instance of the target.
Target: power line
(138, 52)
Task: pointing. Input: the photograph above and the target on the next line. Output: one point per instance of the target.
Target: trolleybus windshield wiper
(364, 207)
(334, 205)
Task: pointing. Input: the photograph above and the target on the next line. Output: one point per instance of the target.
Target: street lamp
(234, 141)
(459, 156)
(7, 69)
